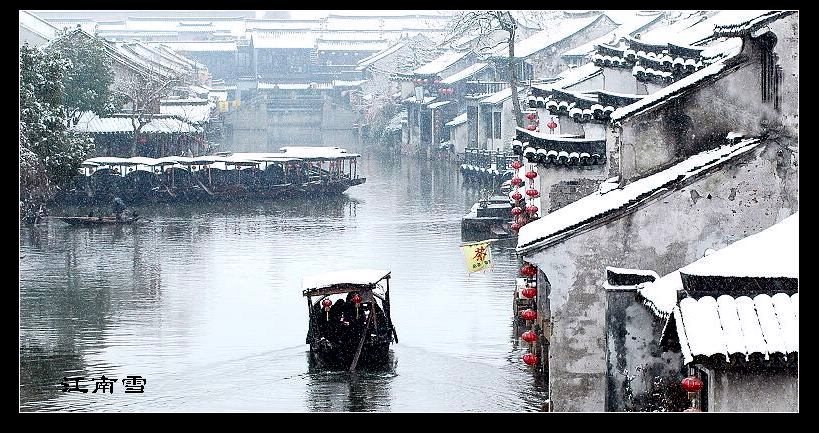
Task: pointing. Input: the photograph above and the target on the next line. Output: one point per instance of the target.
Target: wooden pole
(361, 342)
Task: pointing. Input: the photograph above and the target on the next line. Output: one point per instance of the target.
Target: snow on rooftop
(629, 25)
(193, 112)
(37, 25)
(307, 152)
(661, 295)
(572, 76)
(92, 123)
(548, 37)
(500, 96)
(464, 73)
(281, 39)
(771, 253)
(461, 118)
(440, 63)
(585, 210)
(367, 61)
(349, 276)
(204, 46)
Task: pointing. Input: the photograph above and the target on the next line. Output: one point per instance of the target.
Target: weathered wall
(620, 80)
(458, 135)
(694, 122)
(787, 49)
(762, 391)
(568, 191)
(747, 196)
(634, 357)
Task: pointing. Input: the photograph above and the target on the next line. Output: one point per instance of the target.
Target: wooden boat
(349, 318)
(93, 220)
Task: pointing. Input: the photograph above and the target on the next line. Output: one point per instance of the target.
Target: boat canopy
(331, 283)
(324, 153)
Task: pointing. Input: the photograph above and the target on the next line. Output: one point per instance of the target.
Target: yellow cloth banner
(478, 256)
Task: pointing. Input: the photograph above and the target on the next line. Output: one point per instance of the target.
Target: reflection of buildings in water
(365, 390)
(42, 370)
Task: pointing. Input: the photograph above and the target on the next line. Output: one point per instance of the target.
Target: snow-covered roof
(195, 111)
(572, 76)
(548, 37)
(464, 73)
(661, 295)
(459, 119)
(631, 24)
(427, 99)
(771, 253)
(91, 123)
(500, 96)
(741, 22)
(203, 46)
(276, 39)
(323, 152)
(440, 63)
(365, 45)
(367, 61)
(294, 86)
(438, 104)
(349, 276)
(672, 91)
(37, 25)
(727, 325)
(571, 218)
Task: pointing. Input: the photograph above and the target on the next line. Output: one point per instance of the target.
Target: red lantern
(692, 384)
(516, 164)
(356, 298)
(528, 270)
(552, 125)
(516, 181)
(529, 336)
(516, 196)
(531, 192)
(531, 174)
(516, 211)
(532, 209)
(530, 359)
(521, 220)
(529, 292)
(531, 127)
(515, 226)
(531, 116)
(326, 303)
(528, 314)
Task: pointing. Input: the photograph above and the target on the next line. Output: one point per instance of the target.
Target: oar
(361, 342)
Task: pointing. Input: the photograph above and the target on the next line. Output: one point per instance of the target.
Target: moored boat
(95, 220)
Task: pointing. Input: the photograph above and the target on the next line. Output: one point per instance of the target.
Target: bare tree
(482, 27)
(143, 94)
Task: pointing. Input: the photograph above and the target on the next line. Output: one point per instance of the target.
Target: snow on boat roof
(362, 277)
(565, 221)
(464, 73)
(459, 119)
(324, 152)
(771, 253)
(440, 63)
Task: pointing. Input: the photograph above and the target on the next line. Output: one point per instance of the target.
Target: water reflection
(205, 302)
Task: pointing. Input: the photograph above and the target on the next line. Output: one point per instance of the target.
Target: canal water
(204, 302)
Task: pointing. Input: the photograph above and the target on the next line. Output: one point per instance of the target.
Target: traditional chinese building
(677, 166)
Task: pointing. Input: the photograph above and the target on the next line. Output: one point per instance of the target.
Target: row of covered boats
(292, 172)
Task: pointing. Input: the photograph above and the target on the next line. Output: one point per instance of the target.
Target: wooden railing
(483, 158)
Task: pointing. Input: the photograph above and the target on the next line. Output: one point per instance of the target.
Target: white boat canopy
(315, 284)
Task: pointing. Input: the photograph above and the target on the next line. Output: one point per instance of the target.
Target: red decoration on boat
(529, 292)
(531, 127)
(531, 192)
(516, 211)
(356, 298)
(528, 270)
(517, 196)
(516, 181)
(515, 226)
(528, 314)
(529, 336)
(531, 174)
(692, 384)
(326, 303)
(530, 359)
(516, 164)
(532, 209)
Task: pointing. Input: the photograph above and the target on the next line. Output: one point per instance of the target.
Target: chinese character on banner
(478, 256)
(76, 380)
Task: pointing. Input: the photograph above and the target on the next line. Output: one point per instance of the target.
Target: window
(496, 124)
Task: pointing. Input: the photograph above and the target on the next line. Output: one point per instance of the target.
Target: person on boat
(335, 329)
(119, 207)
